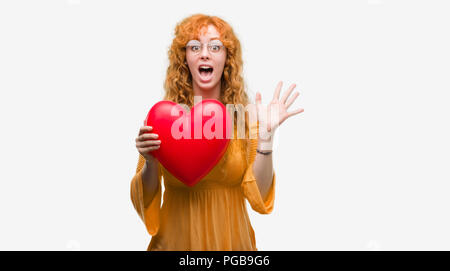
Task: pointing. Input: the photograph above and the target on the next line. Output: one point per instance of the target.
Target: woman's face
(214, 60)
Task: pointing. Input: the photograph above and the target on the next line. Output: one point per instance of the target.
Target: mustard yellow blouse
(212, 215)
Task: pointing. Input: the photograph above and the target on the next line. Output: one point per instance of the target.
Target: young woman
(206, 60)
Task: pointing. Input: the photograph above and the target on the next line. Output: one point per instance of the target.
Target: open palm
(275, 113)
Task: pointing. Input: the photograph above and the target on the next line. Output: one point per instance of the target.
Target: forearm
(149, 180)
(263, 171)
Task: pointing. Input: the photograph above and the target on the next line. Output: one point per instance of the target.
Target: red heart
(190, 156)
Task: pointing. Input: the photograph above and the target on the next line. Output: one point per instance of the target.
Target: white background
(365, 167)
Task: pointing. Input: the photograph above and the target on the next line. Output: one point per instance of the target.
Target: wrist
(264, 152)
(265, 145)
(150, 161)
(265, 140)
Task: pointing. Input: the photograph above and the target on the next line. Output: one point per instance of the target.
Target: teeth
(205, 67)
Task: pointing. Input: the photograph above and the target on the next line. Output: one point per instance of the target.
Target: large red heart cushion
(192, 143)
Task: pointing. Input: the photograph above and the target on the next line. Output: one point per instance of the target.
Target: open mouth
(205, 73)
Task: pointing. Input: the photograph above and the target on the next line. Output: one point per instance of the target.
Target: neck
(210, 93)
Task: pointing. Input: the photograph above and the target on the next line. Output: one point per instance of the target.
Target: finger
(258, 98)
(258, 102)
(148, 136)
(148, 143)
(295, 112)
(145, 129)
(144, 150)
(276, 95)
(288, 92)
(292, 99)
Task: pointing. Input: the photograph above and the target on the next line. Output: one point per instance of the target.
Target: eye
(195, 48)
(215, 48)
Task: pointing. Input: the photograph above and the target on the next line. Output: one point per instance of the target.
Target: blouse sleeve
(249, 185)
(149, 214)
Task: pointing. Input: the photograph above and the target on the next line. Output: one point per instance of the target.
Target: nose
(204, 54)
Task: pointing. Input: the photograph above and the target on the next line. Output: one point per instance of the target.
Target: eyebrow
(213, 38)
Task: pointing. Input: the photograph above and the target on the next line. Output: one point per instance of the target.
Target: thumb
(258, 107)
(258, 98)
(258, 102)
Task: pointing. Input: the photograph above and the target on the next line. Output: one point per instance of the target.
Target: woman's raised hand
(275, 113)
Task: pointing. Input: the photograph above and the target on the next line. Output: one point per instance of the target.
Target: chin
(207, 86)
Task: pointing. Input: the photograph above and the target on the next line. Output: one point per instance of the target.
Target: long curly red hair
(178, 83)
